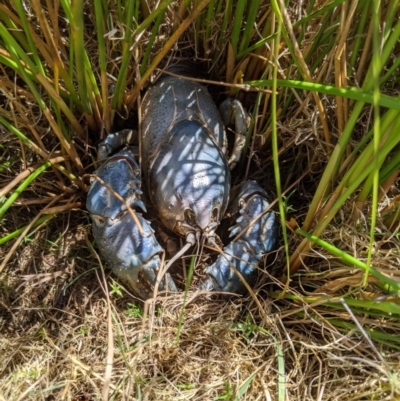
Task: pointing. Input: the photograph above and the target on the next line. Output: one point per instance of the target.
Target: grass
(321, 82)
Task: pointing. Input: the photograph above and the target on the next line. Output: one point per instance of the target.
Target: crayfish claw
(124, 237)
(256, 234)
(223, 273)
(133, 256)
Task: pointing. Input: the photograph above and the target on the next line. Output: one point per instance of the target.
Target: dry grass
(56, 339)
(69, 332)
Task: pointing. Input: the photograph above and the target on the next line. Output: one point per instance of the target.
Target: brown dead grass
(66, 335)
(56, 340)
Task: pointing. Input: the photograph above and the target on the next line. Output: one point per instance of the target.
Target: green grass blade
(391, 72)
(32, 46)
(360, 37)
(281, 370)
(253, 9)
(21, 188)
(12, 64)
(66, 5)
(18, 232)
(237, 24)
(208, 21)
(119, 92)
(376, 68)
(26, 71)
(391, 15)
(16, 30)
(227, 15)
(387, 339)
(243, 388)
(32, 145)
(350, 260)
(281, 364)
(322, 11)
(392, 166)
(77, 29)
(275, 150)
(149, 46)
(256, 46)
(16, 50)
(350, 92)
(100, 25)
(389, 141)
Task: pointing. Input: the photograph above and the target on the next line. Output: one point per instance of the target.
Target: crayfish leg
(233, 113)
(115, 141)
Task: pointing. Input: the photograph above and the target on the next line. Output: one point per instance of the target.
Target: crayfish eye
(99, 221)
(214, 215)
(190, 217)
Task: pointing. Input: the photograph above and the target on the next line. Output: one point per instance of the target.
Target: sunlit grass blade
(349, 92)
(8, 62)
(374, 176)
(16, 51)
(274, 140)
(352, 261)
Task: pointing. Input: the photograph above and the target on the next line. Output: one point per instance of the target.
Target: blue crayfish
(185, 162)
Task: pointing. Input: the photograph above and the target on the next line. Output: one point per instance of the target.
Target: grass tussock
(320, 80)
